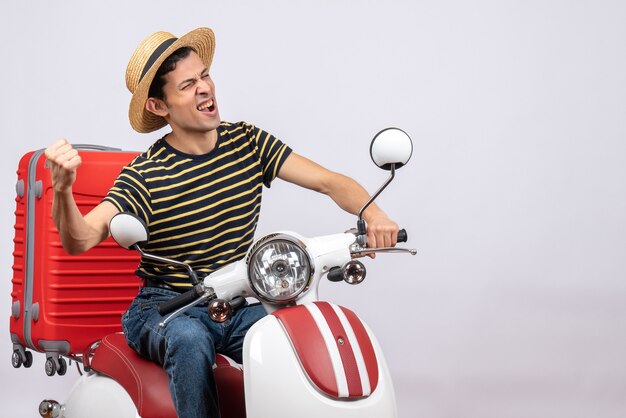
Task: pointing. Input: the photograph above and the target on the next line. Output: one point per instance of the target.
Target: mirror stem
(361, 223)
(192, 274)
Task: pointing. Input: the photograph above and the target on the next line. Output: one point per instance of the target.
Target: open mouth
(208, 105)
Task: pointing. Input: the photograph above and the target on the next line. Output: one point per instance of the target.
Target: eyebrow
(193, 79)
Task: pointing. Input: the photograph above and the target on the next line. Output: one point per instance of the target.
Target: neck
(196, 144)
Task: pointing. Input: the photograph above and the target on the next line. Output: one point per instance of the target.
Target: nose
(205, 85)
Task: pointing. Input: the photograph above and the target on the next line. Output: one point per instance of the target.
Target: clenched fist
(63, 160)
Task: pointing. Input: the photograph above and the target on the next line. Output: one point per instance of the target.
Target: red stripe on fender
(346, 351)
(310, 347)
(367, 349)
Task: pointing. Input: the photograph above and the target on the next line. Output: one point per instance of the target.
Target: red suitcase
(61, 304)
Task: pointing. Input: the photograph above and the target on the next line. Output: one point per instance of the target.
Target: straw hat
(145, 62)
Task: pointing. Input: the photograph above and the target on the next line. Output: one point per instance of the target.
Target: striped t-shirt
(199, 209)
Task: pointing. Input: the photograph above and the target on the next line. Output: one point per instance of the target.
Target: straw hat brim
(202, 40)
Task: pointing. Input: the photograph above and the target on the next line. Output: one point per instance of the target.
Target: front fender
(295, 365)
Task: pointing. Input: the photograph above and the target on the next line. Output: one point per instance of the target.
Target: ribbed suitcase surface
(63, 303)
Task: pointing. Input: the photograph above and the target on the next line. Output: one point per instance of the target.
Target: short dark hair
(169, 65)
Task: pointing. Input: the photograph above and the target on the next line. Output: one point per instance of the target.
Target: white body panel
(98, 396)
(327, 252)
(277, 387)
(230, 281)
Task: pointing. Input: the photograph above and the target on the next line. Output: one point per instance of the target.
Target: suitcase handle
(83, 147)
(95, 147)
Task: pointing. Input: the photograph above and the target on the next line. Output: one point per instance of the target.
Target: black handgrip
(179, 301)
(335, 274)
(238, 302)
(402, 235)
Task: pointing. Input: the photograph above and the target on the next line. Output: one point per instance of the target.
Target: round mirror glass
(391, 146)
(128, 230)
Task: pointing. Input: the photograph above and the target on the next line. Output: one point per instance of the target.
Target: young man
(198, 189)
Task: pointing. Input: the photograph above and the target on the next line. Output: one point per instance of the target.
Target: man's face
(190, 97)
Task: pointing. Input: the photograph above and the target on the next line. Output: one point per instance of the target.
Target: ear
(156, 106)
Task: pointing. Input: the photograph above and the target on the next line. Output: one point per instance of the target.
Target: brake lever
(364, 251)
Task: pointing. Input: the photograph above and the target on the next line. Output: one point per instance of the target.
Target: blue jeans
(186, 347)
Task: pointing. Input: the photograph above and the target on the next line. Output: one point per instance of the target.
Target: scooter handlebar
(179, 301)
(402, 235)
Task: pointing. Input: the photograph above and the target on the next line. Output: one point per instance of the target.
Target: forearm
(351, 196)
(75, 233)
(347, 193)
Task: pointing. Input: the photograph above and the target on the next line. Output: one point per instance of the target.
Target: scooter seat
(146, 382)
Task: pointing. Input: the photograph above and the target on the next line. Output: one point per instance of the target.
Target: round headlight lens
(279, 270)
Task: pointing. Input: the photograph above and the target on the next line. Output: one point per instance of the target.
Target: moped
(306, 358)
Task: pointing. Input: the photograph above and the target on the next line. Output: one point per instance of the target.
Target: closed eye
(185, 84)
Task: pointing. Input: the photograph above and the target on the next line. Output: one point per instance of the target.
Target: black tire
(50, 367)
(29, 359)
(16, 359)
(62, 366)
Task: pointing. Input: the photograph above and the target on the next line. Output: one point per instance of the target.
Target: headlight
(279, 269)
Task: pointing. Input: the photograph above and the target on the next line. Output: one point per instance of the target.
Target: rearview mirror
(128, 230)
(391, 146)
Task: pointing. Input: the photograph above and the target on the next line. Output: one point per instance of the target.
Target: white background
(515, 196)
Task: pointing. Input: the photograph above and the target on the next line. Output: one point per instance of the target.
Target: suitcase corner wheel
(55, 364)
(21, 357)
